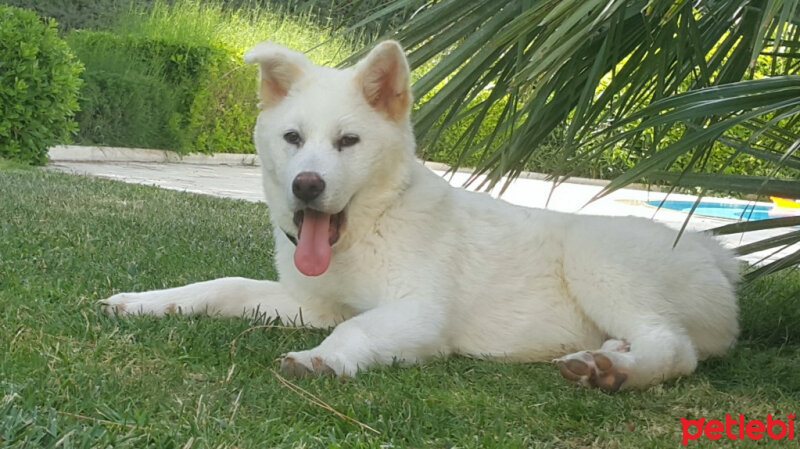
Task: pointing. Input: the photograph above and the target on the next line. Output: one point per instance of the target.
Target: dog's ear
(383, 77)
(280, 68)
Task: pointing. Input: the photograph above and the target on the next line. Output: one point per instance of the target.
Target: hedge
(152, 93)
(39, 82)
(72, 14)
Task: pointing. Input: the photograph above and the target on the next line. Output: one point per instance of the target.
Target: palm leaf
(676, 83)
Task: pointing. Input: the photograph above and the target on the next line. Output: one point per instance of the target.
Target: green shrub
(75, 14)
(224, 112)
(127, 109)
(188, 53)
(153, 93)
(39, 83)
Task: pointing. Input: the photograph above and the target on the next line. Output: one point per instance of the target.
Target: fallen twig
(254, 328)
(319, 402)
(97, 420)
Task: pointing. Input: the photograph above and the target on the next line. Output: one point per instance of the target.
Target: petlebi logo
(739, 428)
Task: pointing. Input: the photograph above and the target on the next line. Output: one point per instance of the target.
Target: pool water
(719, 210)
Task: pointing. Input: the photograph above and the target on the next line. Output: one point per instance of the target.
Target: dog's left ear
(383, 77)
(280, 69)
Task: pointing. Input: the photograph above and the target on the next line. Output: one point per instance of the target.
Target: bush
(171, 75)
(126, 109)
(74, 14)
(224, 112)
(154, 93)
(39, 84)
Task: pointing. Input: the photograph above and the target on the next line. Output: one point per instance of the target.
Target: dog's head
(331, 141)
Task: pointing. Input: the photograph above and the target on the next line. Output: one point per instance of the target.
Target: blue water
(719, 210)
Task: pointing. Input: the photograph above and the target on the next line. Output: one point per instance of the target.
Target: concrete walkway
(239, 176)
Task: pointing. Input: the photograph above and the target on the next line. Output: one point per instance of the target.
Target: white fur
(424, 269)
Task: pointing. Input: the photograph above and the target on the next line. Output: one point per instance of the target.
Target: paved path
(244, 182)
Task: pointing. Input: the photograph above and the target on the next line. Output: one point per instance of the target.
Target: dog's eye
(293, 138)
(348, 140)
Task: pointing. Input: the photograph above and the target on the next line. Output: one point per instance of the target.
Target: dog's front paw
(309, 364)
(144, 303)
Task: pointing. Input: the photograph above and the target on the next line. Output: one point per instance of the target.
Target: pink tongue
(313, 254)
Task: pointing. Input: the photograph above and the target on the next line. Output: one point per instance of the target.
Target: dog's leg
(654, 354)
(225, 296)
(660, 347)
(409, 332)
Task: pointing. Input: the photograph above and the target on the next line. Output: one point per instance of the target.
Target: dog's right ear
(280, 68)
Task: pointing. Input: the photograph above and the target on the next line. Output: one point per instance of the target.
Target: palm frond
(688, 89)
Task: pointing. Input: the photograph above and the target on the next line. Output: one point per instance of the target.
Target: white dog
(408, 268)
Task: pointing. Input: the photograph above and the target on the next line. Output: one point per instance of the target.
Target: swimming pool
(719, 210)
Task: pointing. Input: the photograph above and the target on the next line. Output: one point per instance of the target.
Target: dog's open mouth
(316, 235)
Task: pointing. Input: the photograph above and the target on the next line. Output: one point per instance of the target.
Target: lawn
(73, 377)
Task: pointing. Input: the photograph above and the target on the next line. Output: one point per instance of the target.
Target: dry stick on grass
(241, 334)
(254, 328)
(294, 388)
(97, 420)
(319, 402)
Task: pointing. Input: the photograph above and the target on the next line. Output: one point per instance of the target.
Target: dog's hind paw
(592, 369)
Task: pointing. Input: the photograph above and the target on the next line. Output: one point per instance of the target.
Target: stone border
(75, 153)
(97, 154)
(78, 153)
(533, 175)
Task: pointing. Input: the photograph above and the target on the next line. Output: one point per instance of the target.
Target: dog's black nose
(307, 186)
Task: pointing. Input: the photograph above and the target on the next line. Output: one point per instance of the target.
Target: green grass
(212, 23)
(72, 377)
